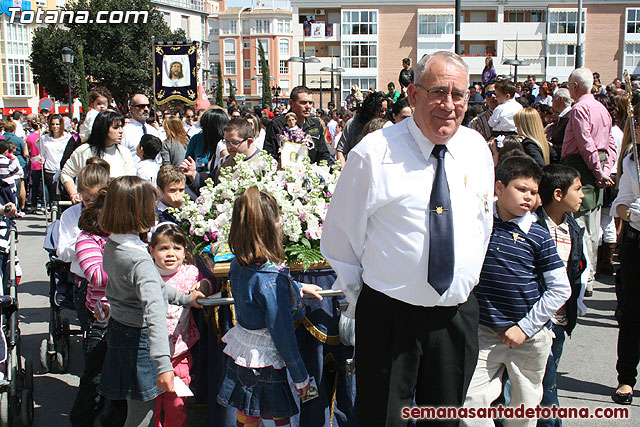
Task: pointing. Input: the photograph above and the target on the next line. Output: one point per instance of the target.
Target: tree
(232, 89)
(220, 88)
(266, 76)
(117, 56)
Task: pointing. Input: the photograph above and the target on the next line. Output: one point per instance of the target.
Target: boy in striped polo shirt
(522, 284)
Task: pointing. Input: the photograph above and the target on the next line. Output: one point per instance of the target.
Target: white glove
(634, 214)
(347, 329)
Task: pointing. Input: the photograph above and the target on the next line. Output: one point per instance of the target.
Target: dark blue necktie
(441, 257)
(144, 129)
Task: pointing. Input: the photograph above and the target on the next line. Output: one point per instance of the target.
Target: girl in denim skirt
(137, 366)
(267, 301)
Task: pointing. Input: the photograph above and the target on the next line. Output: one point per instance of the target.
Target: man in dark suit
(301, 104)
(562, 105)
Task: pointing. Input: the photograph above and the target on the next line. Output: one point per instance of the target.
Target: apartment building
(369, 39)
(240, 31)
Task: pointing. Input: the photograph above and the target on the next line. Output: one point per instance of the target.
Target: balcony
(298, 33)
(508, 30)
(195, 5)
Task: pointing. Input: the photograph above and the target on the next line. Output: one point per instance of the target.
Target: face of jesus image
(175, 72)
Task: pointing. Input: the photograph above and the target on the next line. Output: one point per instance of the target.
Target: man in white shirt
(406, 233)
(17, 118)
(333, 123)
(190, 122)
(139, 107)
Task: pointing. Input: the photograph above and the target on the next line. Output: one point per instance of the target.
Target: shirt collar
(563, 226)
(426, 146)
(523, 222)
(129, 240)
(565, 111)
(161, 206)
(586, 97)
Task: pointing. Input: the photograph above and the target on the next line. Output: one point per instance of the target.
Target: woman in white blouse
(104, 143)
(52, 145)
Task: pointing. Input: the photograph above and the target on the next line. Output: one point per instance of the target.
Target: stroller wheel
(44, 355)
(5, 410)
(27, 365)
(26, 407)
(62, 347)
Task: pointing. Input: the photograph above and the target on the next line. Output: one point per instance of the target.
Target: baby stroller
(16, 386)
(54, 350)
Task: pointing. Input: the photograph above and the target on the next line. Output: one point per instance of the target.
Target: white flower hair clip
(500, 141)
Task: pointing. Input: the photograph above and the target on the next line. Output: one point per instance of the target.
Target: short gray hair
(563, 94)
(582, 76)
(452, 58)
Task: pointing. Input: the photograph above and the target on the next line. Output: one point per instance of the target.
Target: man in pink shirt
(589, 147)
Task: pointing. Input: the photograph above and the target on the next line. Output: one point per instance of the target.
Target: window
(230, 47)
(633, 21)
(166, 16)
(230, 27)
(564, 22)
(562, 55)
(309, 51)
(284, 67)
(632, 56)
(246, 44)
(284, 48)
(537, 16)
(363, 83)
(285, 86)
(18, 78)
(17, 39)
(184, 24)
(284, 26)
(229, 67)
(478, 17)
(360, 55)
(263, 26)
(515, 16)
(246, 64)
(435, 24)
(359, 22)
(247, 86)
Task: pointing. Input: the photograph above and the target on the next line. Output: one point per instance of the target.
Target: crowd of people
(497, 204)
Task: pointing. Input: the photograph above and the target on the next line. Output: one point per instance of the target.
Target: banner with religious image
(175, 72)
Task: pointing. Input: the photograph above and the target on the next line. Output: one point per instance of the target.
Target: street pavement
(586, 375)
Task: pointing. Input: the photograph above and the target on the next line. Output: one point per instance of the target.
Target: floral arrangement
(302, 190)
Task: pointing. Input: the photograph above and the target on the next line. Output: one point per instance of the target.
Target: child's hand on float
(164, 381)
(302, 392)
(312, 290)
(195, 295)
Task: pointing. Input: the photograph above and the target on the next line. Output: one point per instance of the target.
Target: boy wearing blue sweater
(522, 284)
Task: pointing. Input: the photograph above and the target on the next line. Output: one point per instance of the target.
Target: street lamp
(67, 58)
(304, 60)
(516, 63)
(338, 70)
(320, 81)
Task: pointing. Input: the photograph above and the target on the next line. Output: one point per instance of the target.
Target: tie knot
(439, 151)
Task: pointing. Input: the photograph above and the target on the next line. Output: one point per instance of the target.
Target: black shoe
(622, 398)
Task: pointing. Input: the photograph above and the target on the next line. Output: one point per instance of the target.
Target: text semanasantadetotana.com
(520, 412)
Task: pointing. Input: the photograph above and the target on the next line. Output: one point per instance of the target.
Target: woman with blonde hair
(174, 147)
(534, 143)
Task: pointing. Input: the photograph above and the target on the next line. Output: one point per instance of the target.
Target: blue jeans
(549, 383)
(36, 188)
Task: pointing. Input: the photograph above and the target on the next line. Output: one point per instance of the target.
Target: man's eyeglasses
(438, 94)
(383, 110)
(489, 93)
(189, 116)
(235, 144)
(142, 106)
